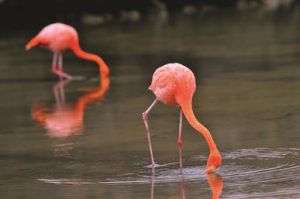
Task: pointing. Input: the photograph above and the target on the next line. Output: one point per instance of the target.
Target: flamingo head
(214, 161)
(32, 43)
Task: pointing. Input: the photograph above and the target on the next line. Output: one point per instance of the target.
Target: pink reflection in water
(64, 119)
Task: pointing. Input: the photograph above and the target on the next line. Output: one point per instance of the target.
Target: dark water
(85, 139)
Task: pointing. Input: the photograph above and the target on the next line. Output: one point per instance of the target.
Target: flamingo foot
(63, 75)
(79, 78)
(151, 166)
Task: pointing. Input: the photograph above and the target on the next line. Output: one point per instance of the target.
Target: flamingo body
(59, 37)
(175, 84)
(172, 83)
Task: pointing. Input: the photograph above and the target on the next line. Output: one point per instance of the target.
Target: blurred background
(16, 14)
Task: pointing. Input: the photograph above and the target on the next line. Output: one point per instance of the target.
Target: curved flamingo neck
(188, 112)
(97, 94)
(92, 57)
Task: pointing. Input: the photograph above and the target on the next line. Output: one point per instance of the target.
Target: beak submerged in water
(211, 169)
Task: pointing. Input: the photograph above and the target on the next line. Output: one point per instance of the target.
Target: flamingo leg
(60, 62)
(54, 62)
(180, 140)
(57, 60)
(145, 118)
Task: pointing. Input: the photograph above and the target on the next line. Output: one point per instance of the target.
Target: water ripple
(242, 168)
(261, 153)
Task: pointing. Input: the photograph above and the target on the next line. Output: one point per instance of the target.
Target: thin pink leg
(180, 140)
(57, 60)
(145, 118)
(60, 64)
(54, 62)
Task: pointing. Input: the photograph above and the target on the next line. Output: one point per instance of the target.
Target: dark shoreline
(18, 14)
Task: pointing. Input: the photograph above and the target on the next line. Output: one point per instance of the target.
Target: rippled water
(85, 139)
(257, 171)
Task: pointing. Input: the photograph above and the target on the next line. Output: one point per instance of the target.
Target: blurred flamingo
(64, 120)
(59, 37)
(175, 84)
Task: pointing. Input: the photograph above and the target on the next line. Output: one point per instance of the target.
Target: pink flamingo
(58, 37)
(175, 84)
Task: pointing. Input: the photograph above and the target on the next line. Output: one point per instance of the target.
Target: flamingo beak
(28, 47)
(32, 43)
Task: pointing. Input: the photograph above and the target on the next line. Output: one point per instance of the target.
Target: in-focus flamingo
(175, 84)
(58, 37)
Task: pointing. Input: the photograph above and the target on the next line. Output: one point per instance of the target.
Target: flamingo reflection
(214, 180)
(64, 119)
(215, 183)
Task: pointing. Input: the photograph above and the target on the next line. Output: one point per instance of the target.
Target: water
(247, 95)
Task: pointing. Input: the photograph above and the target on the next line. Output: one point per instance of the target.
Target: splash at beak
(210, 170)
